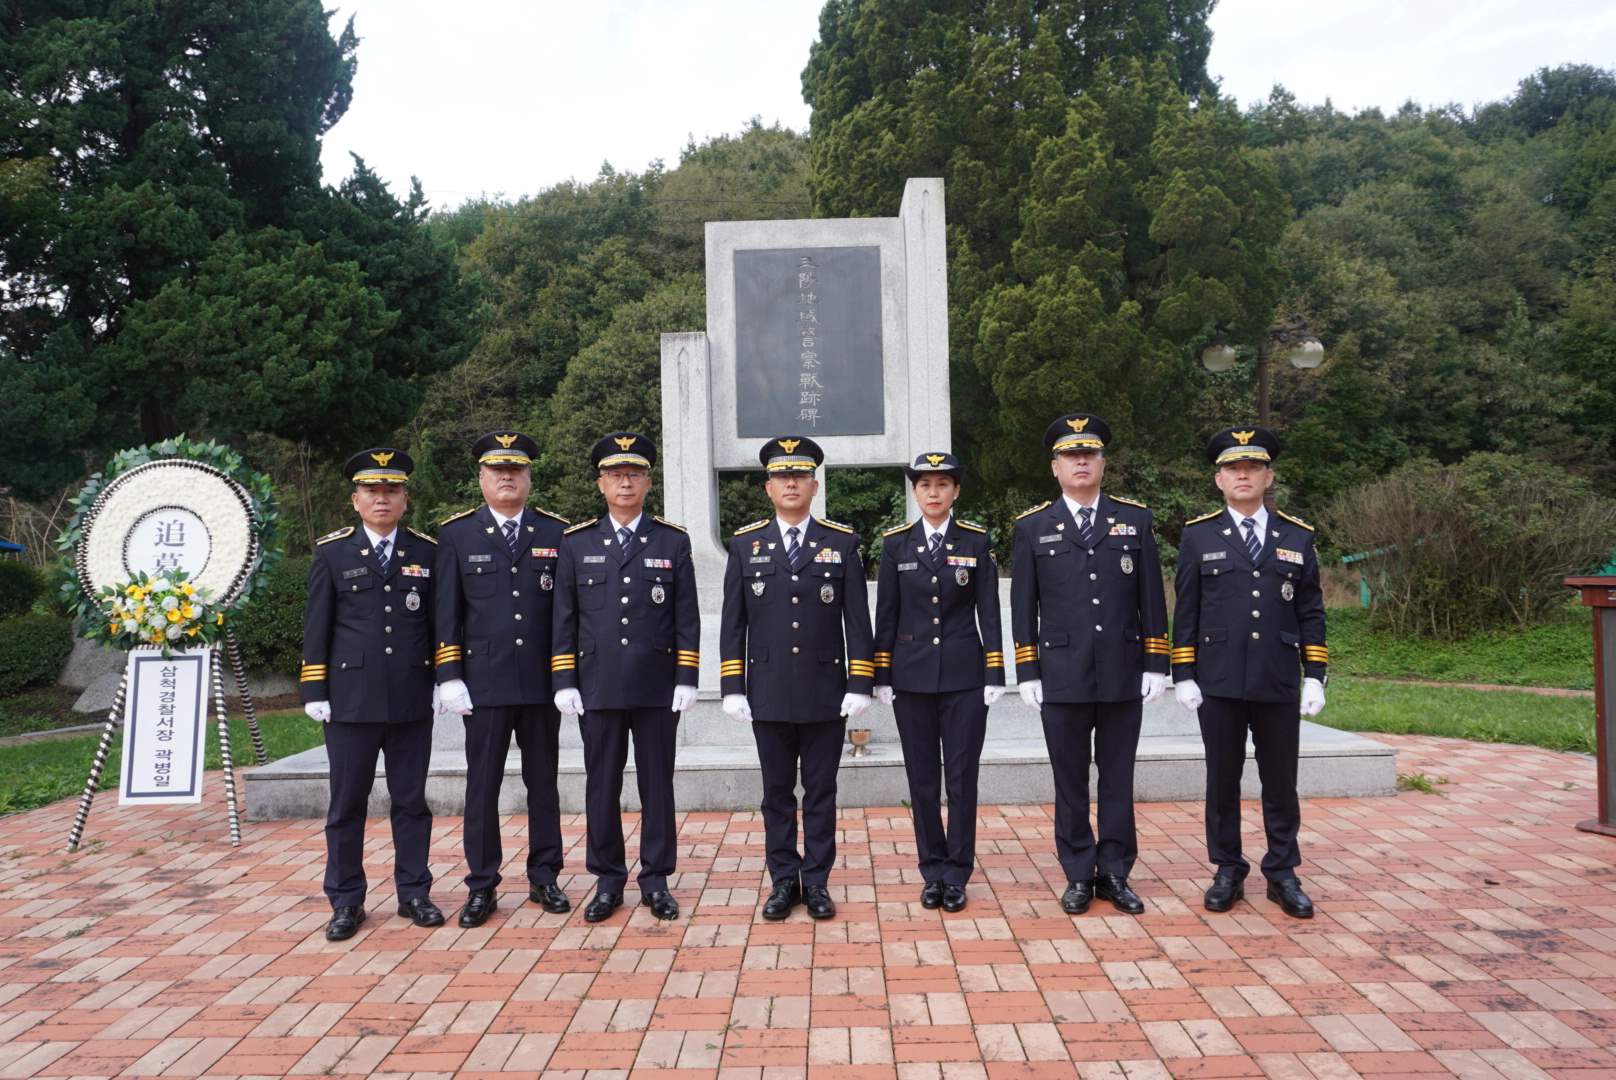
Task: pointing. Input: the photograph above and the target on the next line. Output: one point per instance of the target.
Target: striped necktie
(510, 537)
(1085, 534)
(1253, 545)
(793, 549)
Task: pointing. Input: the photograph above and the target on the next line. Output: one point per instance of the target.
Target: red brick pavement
(1471, 933)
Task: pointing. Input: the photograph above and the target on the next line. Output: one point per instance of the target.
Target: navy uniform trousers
(352, 750)
(957, 720)
(537, 730)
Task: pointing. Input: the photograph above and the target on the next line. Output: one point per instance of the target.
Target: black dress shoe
(421, 911)
(1114, 888)
(931, 895)
(1075, 900)
(816, 898)
(344, 923)
(661, 903)
(479, 905)
(602, 906)
(953, 897)
(786, 895)
(1288, 894)
(1225, 890)
(550, 897)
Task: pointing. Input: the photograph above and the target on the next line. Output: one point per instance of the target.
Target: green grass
(37, 773)
(1478, 715)
(41, 709)
(1559, 654)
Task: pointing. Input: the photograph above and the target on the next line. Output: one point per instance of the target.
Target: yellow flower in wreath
(175, 616)
(188, 589)
(189, 611)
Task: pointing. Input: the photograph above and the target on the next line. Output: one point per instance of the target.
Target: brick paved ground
(1471, 932)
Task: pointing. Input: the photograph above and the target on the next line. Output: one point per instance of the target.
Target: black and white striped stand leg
(224, 750)
(246, 697)
(94, 780)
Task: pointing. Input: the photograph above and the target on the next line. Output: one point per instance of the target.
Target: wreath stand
(115, 717)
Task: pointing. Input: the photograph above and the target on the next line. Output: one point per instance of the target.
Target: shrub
(270, 627)
(33, 649)
(1475, 546)
(20, 586)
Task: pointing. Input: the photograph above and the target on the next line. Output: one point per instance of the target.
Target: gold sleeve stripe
(563, 665)
(879, 655)
(1155, 640)
(883, 663)
(861, 668)
(688, 652)
(688, 662)
(1316, 653)
(732, 667)
(1185, 655)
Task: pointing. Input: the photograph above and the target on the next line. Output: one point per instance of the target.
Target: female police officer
(938, 585)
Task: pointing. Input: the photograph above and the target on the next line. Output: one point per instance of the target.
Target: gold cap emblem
(790, 445)
(383, 458)
(1242, 437)
(935, 459)
(1078, 425)
(505, 441)
(624, 442)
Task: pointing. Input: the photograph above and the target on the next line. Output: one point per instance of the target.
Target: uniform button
(1052, 551)
(934, 581)
(1096, 600)
(936, 641)
(625, 581)
(387, 588)
(387, 629)
(516, 592)
(519, 641)
(1255, 635)
(1094, 577)
(795, 626)
(625, 620)
(935, 620)
(622, 641)
(622, 599)
(1256, 573)
(1098, 628)
(518, 616)
(387, 609)
(935, 600)
(794, 600)
(1255, 614)
(388, 650)
(513, 569)
(345, 664)
(793, 577)
(795, 649)
(1091, 551)
(1256, 592)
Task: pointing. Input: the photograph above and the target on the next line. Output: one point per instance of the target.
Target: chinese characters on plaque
(166, 539)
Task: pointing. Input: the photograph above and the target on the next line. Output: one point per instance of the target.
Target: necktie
(1253, 546)
(623, 537)
(936, 548)
(1085, 535)
(381, 554)
(510, 537)
(793, 549)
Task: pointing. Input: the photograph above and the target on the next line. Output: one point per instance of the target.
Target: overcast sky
(513, 96)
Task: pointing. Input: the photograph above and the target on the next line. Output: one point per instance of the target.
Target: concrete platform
(717, 766)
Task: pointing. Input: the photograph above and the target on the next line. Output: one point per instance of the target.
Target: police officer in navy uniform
(496, 574)
(367, 677)
(1088, 613)
(937, 602)
(797, 662)
(1249, 655)
(625, 653)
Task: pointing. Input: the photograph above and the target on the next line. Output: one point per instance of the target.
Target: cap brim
(1244, 453)
(380, 476)
(791, 465)
(504, 457)
(623, 459)
(1083, 441)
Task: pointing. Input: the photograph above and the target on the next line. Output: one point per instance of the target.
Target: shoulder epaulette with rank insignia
(457, 517)
(422, 535)
(1129, 502)
(342, 533)
(1294, 520)
(751, 527)
(901, 528)
(581, 525)
(970, 525)
(1203, 517)
(669, 524)
(1032, 509)
(837, 525)
(548, 514)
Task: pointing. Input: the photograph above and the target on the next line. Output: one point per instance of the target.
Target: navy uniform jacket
(927, 618)
(785, 637)
(493, 612)
(1244, 631)
(1088, 621)
(627, 627)
(367, 636)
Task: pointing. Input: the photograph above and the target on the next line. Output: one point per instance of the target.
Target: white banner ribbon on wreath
(165, 727)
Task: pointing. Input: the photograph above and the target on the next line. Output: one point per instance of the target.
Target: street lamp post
(1296, 342)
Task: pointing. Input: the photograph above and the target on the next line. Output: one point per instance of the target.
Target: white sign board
(165, 726)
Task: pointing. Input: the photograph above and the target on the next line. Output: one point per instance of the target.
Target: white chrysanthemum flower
(174, 631)
(170, 603)
(157, 619)
(162, 584)
(130, 626)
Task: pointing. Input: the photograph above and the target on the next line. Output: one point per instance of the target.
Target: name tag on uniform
(415, 571)
(479, 558)
(1213, 556)
(1050, 539)
(830, 555)
(1124, 530)
(760, 558)
(962, 560)
(659, 564)
(594, 558)
(908, 566)
(359, 571)
(545, 553)
(1287, 555)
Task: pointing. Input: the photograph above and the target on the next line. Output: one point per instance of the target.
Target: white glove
(991, 695)
(1032, 692)
(683, 697)
(1153, 686)
(884, 694)
(454, 698)
(1312, 697)
(854, 704)
(437, 701)
(736, 707)
(1188, 694)
(318, 710)
(569, 702)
